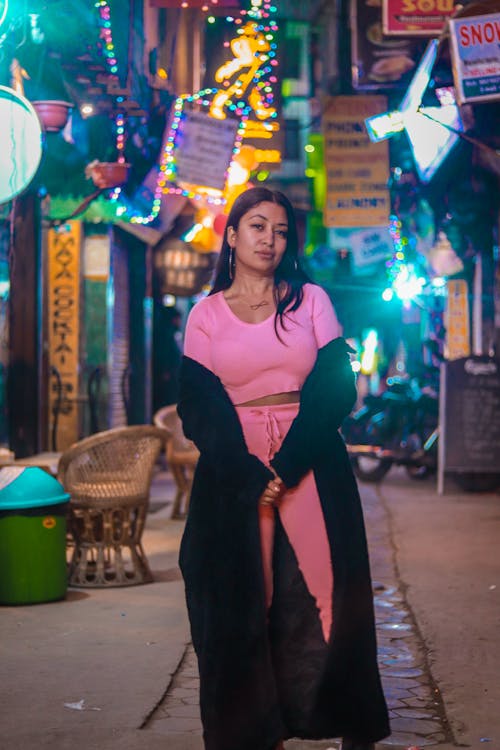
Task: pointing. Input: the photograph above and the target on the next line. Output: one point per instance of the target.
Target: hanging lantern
(443, 259)
(180, 269)
(21, 139)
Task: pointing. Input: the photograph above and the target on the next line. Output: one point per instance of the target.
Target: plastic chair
(108, 476)
(181, 455)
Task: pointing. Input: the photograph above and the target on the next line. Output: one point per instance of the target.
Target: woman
(274, 553)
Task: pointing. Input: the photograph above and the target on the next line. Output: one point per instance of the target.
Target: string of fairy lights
(167, 168)
(109, 54)
(403, 275)
(260, 14)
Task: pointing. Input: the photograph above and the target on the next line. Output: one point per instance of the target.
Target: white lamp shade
(21, 139)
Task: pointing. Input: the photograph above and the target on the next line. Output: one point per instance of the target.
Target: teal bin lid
(29, 487)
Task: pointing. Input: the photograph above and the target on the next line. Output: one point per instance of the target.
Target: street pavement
(114, 669)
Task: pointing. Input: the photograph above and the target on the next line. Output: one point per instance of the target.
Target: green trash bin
(33, 509)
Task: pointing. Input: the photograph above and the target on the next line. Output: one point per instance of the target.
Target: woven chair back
(112, 464)
(168, 418)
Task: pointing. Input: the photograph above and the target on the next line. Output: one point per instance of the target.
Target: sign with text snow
(204, 149)
(475, 46)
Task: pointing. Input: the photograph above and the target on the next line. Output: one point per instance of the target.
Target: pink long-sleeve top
(248, 358)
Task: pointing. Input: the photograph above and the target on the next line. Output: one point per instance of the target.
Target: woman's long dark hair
(288, 275)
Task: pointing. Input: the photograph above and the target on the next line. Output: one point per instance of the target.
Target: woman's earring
(231, 261)
(295, 264)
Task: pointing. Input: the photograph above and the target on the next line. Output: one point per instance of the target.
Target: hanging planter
(107, 174)
(53, 114)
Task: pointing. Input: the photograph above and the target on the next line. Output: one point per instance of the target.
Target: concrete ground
(448, 559)
(97, 670)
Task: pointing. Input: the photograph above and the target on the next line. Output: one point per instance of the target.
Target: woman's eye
(282, 233)
(257, 226)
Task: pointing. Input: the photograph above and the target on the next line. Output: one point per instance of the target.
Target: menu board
(470, 415)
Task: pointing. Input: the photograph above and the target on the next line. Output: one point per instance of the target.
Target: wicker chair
(108, 477)
(181, 455)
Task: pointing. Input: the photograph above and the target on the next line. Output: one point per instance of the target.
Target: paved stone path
(415, 705)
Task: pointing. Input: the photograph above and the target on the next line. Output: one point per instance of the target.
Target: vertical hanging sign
(63, 331)
(357, 170)
(457, 342)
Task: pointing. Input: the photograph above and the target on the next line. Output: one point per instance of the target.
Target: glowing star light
(432, 131)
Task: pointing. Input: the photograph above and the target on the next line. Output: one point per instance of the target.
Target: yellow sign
(457, 343)
(273, 156)
(357, 170)
(63, 330)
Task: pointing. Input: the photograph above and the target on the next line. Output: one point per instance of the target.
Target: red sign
(416, 17)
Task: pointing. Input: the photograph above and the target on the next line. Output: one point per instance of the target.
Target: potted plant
(52, 113)
(48, 93)
(107, 174)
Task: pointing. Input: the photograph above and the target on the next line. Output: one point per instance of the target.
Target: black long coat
(264, 677)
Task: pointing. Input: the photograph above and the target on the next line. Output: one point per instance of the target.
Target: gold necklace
(259, 304)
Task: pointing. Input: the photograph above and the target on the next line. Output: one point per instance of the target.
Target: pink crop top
(248, 358)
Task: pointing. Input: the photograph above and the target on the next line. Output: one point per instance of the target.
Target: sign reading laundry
(357, 170)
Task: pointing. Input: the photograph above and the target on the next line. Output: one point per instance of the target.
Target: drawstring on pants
(273, 433)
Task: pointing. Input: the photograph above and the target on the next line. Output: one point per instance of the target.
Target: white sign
(475, 46)
(96, 257)
(367, 246)
(203, 149)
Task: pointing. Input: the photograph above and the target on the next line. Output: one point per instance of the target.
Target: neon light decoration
(251, 49)
(167, 169)
(254, 64)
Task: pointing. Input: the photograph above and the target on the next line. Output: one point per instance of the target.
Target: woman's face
(260, 241)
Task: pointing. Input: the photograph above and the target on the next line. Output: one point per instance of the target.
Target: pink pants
(299, 509)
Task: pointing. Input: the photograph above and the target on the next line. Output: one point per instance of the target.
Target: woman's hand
(272, 492)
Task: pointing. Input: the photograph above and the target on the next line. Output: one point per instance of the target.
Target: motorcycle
(396, 427)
